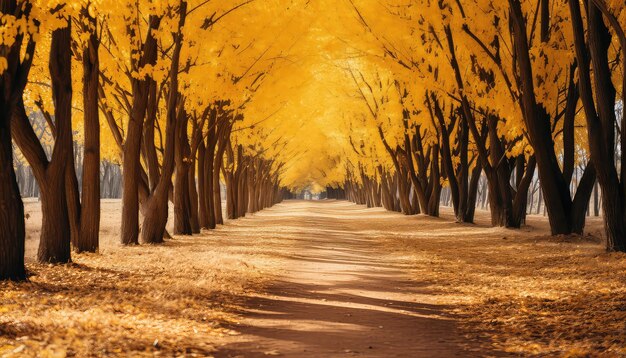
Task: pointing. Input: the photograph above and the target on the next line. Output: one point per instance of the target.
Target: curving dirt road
(340, 294)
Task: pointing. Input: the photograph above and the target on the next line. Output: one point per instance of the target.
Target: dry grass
(520, 290)
(171, 299)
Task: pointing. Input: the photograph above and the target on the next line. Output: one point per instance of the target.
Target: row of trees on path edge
(167, 131)
(508, 91)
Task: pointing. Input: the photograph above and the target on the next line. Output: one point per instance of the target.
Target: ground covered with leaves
(172, 299)
(521, 291)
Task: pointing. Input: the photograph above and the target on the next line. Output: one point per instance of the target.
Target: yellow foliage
(312, 81)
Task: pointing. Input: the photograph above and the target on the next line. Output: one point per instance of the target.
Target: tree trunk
(54, 244)
(473, 193)
(208, 168)
(231, 195)
(596, 206)
(149, 151)
(156, 213)
(12, 230)
(556, 194)
(73, 198)
(242, 195)
(217, 193)
(90, 203)
(155, 219)
(599, 103)
(193, 197)
(182, 200)
(130, 181)
(519, 209)
(132, 146)
(202, 209)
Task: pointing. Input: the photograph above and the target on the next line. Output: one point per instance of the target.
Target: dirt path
(341, 294)
(323, 279)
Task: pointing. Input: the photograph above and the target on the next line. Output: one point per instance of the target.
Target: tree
(141, 57)
(54, 245)
(153, 228)
(90, 200)
(13, 77)
(598, 98)
(566, 215)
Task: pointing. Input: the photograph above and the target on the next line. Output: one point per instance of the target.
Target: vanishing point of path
(341, 294)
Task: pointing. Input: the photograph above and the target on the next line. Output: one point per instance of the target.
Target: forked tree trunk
(155, 219)
(598, 98)
(54, 244)
(156, 213)
(563, 212)
(132, 146)
(457, 175)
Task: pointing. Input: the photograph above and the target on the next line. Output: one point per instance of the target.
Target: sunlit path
(321, 279)
(341, 293)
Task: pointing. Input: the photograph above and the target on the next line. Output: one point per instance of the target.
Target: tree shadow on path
(342, 296)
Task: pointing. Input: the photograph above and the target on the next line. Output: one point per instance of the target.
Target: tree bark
(556, 194)
(208, 167)
(598, 100)
(54, 244)
(156, 213)
(182, 199)
(12, 231)
(202, 209)
(132, 146)
(12, 83)
(72, 196)
(193, 197)
(90, 201)
(12, 228)
(219, 159)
